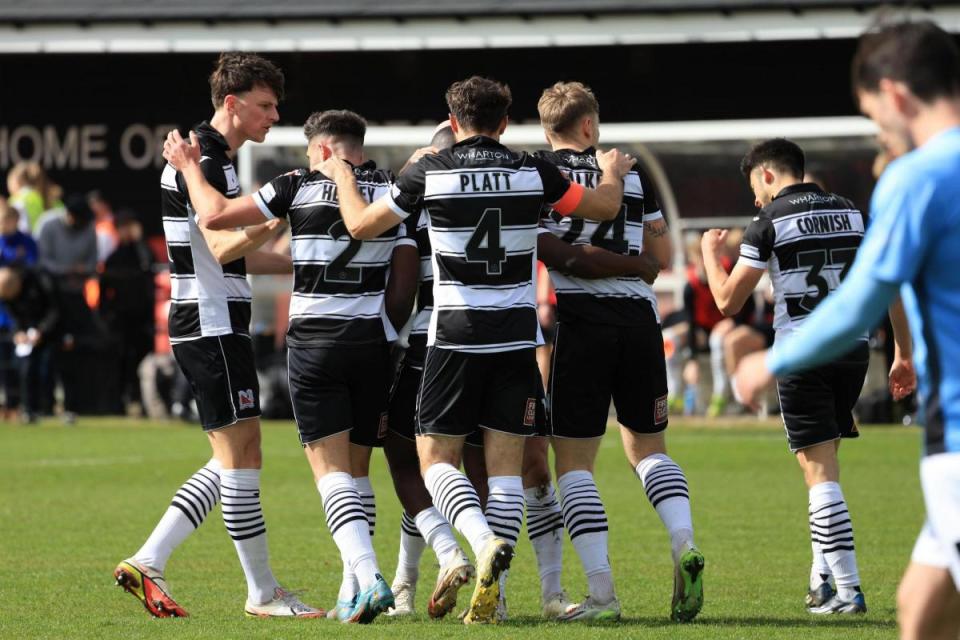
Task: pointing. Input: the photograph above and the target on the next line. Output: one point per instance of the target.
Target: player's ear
(768, 177)
(454, 125)
(503, 125)
(230, 103)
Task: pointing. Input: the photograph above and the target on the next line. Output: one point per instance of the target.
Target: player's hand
(179, 152)
(752, 379)
(712, 241)
(422, 151)
(614, 162)
(903, 378)
(648, 267)
(335, 168)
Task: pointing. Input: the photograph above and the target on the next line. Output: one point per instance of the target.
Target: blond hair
(564, 104)
(31, 174)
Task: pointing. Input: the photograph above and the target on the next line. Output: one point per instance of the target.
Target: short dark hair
(781, 153)
(920, 54)
(336, 123)
(237, 72)
(443, 136)
(479, 104)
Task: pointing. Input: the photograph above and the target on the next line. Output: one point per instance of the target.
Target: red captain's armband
(570, 200)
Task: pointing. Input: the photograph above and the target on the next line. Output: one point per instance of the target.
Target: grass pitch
(76, 500)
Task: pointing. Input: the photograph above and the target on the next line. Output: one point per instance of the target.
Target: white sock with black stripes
(349, 585)
(438, 533)
(504, 510)
(819, 569)
(666, 488)
(832, 529)
(190, 506)
(717, 368)
(243, 517)
(412, 546)
(369, 501)
(545, 530)
(457, 500)
(586, 521)
(349, 526)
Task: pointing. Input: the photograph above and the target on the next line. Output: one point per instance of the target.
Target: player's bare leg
(666, 487)
(331, 460)
(928, 604)
(831, 535)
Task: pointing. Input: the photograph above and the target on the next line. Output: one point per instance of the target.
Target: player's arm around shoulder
(364, 221)
(600, 204)
(214, 210)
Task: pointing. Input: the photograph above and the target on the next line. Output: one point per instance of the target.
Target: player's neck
(570, 142)
(222, 122)
(934, 119)
(463, 134)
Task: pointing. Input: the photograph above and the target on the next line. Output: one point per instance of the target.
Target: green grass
(76, 500)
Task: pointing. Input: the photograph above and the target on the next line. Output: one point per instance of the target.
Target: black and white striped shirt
(606, 300)
(483, 204)
(206, 298)
(338, 281)
(808, 239)
(417, 228)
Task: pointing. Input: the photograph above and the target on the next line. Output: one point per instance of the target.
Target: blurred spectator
(68, 244)
(103, 224)
(126, 306)
(163, 386)
(68, 251)
(687, 334)
(30, 298)
(16, 249)
(32, 193)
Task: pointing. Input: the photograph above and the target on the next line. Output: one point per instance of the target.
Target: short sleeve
(901, 227)
(651, 200)
(557, 190)
(275, 198)
(405, 197)
(757, 245)
(213, 173)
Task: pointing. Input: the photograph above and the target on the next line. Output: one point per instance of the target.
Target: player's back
(808, 239)
(607, 300)
(338, 281)
(922, 189)
(483, 203)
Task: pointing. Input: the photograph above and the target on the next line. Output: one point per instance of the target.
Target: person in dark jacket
(31, 301)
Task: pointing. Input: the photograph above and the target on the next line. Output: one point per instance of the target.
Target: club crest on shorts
(247, 399)
(384, 423)
(530, 413)
(660, 410)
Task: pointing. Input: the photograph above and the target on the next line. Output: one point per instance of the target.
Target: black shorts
(463, 391)
(403, 400)
(817, 405)
(223, 377)
(593, 363)
(337, 389)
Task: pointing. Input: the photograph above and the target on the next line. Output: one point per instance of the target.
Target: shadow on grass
(714, 621)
